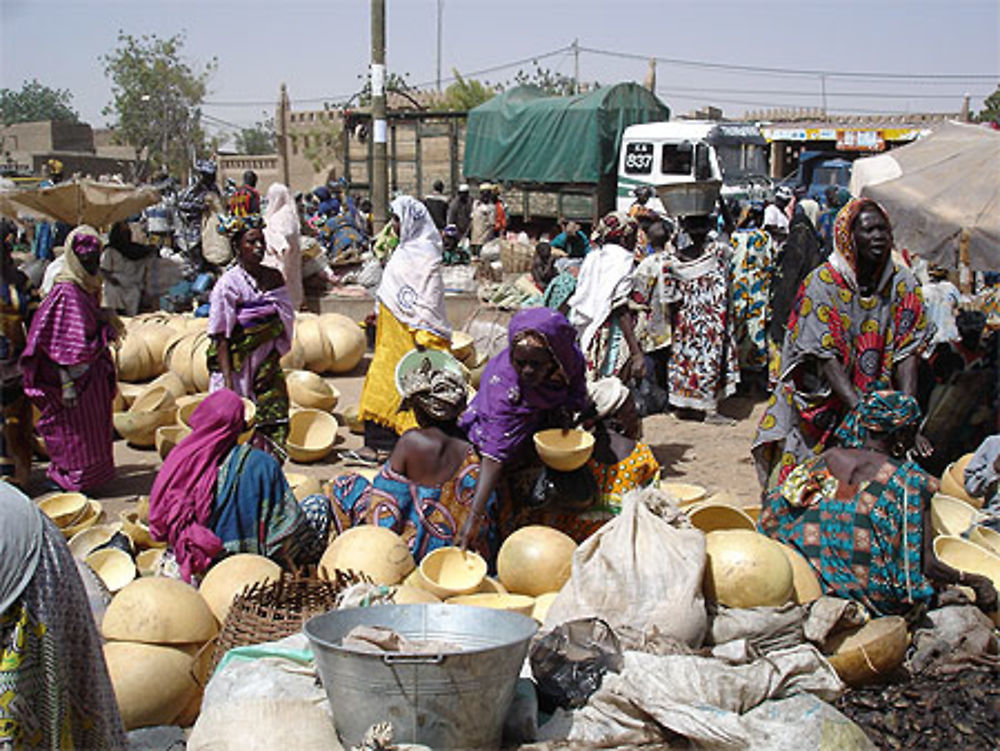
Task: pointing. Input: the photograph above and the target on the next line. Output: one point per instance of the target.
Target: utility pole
(380, 173)
(822, 80)
(576, 66)
(440, 6)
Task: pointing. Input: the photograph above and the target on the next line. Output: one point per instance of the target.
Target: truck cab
(688, 151)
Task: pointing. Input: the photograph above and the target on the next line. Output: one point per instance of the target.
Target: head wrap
(84, 238)
(878, 412)
(205, 166)
(180, 503)
(22, 528)
(811, 209)
(445, 385)
(234, 225)
(607, 395)
(281, 218)
(616, 227)
(412, 286)
(843, 228)
(504, 413)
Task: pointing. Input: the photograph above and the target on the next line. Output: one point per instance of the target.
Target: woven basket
(270, 610)
(516, 257)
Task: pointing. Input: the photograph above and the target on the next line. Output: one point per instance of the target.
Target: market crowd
(812, 305)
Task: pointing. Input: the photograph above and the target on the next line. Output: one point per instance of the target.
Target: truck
(678, 152)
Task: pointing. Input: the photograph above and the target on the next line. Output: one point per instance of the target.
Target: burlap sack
(639, 571)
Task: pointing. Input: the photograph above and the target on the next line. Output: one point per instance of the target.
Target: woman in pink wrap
(214, 496)
(68, 371)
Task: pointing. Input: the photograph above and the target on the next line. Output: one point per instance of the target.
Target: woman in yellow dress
(411, 314)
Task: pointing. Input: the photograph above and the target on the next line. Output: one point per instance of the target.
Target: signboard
(860, 140)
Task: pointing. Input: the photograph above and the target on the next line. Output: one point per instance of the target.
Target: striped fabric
(67, 334)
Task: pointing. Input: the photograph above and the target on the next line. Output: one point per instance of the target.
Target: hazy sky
(321, 48)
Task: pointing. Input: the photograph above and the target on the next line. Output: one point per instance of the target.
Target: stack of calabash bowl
(71, 512)
(154, 407)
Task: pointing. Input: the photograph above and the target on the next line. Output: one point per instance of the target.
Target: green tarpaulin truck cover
(524, 136)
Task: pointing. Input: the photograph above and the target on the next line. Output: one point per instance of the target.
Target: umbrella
(84, 201)
(938, 189)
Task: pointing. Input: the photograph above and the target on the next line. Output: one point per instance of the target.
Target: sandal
(365, 457)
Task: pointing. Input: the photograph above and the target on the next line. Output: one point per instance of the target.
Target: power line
(775, 92)
(795, 72)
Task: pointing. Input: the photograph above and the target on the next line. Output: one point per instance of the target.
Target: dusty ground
(717, 457)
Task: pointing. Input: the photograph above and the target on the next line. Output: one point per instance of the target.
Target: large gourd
(152, 683)
(535, 560)
(746, 570)
(158, 610)
(377, 552)
(347, 341)
(226, 579)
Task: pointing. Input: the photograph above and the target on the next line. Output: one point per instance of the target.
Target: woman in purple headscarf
(68, 371)
(536, 381)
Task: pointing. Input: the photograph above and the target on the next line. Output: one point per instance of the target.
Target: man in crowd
(437, 205)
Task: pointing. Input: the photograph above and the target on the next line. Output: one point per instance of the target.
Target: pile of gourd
(157, 633)
(172, 350)
(532, 566)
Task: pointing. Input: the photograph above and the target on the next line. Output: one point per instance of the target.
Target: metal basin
(447, 700)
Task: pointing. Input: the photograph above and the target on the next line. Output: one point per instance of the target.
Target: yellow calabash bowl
(564, 450)
(376, 552)
(168, 436)
(309, 390)
(522, 604)
(447, 572)
(535, 559)
(804, 580)
(953, 482)
(230, 576)
(684, 492)
(347, 341)
(64, 508)
(302, 485)
(84, 541)
(408, 595)
(113, 566)
(159, 610)
(746, 570)
(986, 538)
(311, 435)
(91, 515)
(138, 531)
(709, 517)
(952, 516)
(151, 682)
(871, 653)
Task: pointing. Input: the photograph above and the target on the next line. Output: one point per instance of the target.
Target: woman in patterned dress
(703, 367)
(860, 512)
(856, 326)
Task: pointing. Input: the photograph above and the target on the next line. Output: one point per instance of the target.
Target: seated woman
(214, 496)
(860, 513)
(620, 462)
(250, 322)
(424, 491)
(536, 382)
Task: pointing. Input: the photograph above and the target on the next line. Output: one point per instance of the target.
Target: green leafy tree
(550, 81)
(257, 139)
(156, 101)
(36, 101)
(990, 113)
(465, 94)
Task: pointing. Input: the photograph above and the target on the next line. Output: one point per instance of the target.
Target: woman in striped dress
(68, 371)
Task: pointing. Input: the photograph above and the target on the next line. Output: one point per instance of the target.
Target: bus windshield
(741, 159)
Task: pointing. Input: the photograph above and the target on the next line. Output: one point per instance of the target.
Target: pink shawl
(180, 503)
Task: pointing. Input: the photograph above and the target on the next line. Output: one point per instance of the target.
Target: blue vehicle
(819, 170)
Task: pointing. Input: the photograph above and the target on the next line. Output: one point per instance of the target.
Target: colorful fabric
(232, 225)
(560, 290)
(258, 326)
(877, 412)
(412, 286)
(616, 227)
(751, 268)
(426, 517)
(245, 201)
(255, 511)
(830, 319)
(54, 687)
(504, 415)
(864, 542)
(637, 470)
(180, 503)
(70, 377)
(703, 366)
(380, 400)
(652, 319)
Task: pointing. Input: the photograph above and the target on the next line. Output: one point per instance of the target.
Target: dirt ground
(714, 456)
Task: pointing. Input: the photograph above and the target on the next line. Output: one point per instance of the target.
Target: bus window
(638, 158)
(676, 159)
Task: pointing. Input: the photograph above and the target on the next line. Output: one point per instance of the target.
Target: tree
(990, 113)
(463, 95)
(257, 139)
(36, 101)
(551, 82)
(156, 101)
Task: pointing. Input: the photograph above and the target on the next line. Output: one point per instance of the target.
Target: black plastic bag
(650, 397)
(569, 662)
(571, 491)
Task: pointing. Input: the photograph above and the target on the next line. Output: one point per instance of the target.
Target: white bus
(685, 151)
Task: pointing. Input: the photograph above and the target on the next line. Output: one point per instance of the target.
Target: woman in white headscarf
(411, 314)
(281, 233)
